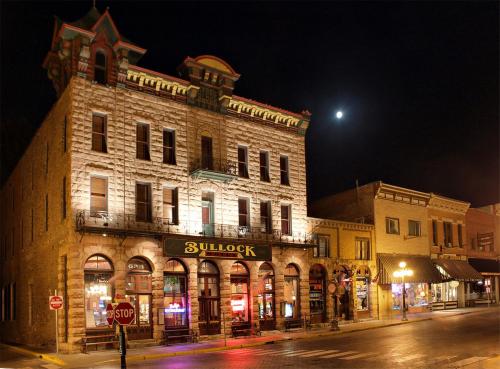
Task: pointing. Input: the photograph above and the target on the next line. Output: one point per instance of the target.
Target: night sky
(418, 82)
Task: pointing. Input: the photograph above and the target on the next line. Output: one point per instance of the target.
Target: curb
(26, 352)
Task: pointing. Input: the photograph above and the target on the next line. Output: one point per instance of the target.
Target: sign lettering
(211, 249)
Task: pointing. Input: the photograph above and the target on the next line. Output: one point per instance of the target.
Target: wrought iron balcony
(217, 169)
(128, 224)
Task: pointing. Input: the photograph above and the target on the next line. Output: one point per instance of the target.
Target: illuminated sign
(238, 305)
(215, 249)
(175, 308)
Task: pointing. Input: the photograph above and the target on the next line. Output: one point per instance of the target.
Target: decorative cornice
(447, 204)
(158, 83)
(319, 222)
(253, 110)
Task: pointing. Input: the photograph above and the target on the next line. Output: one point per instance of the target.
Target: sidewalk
(156, 352)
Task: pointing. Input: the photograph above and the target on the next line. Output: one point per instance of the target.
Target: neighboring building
(483, 251)
(447, 239)
(345, 255)
(171, 193)
(401, 228)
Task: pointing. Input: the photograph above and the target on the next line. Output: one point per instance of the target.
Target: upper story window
(98, 196)
(142, 141)
(100, 68)
(265, 217)
(286, 219)
(460, 236)
(414, 228)
(99, 133)
(392, 225)
(169, 146)
(322, 249)
(435, 232)
(243, 214)
(170, 206)
(242, 162)
(448, 237)
(264, 166)
(284, 170)
(362, 249)
(143, 211)
(206, 153)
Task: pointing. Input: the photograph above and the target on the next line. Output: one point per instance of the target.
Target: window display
(317, 295)
(239, 293)
(98, 290)
(175, 296)
(265, 299)
(362, 294)
(442, 292)
(416, 294)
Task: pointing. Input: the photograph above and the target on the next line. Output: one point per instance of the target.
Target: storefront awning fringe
(459, 270)
(423, 269)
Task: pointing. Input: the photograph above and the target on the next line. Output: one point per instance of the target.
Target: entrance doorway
(317, 293)
(139, 294)
(267, 309)
(207, 213)
(208, 298)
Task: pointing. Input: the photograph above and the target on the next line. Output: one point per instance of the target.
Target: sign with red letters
(55, 302)
(124, 313)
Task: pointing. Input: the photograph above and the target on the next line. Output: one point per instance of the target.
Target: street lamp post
(402, 273)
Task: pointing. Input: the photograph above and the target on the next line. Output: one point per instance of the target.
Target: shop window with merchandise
(267, 318)
(417, 296)
(98, 291)
(175, 295)
(363, 291)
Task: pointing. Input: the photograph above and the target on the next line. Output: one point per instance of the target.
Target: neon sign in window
(238, 305)
(175, 308)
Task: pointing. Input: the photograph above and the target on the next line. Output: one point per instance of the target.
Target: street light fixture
(402, 273)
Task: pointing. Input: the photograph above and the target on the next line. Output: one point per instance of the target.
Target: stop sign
(124, 313)
(55, 302)
(110, 314)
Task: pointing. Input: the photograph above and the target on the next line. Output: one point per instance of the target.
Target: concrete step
(142, 343)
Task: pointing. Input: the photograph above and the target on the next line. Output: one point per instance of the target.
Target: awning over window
(486, 266)
(458, 270)
(423, 269)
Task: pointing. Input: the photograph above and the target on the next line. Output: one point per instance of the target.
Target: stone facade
(125, 94)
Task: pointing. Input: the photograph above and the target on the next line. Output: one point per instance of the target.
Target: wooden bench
(98, 340)
(296, 323)
(180, 334)
(244, 329)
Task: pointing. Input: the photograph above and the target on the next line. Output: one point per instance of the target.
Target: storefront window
(416, 294)
(317, 286)
(363, 288)
(175, 294)
(442, 292)
(265, 298)
(239, 293)
(98, 290)
(291, 293)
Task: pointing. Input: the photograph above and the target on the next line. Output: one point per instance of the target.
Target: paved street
(462, 341)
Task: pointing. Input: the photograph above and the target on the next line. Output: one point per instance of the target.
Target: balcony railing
(105, 222)
(219, 169)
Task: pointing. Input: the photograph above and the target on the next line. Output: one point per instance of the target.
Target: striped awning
(423, 269)
(458, 270)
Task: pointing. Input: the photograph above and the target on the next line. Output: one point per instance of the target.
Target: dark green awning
(423, 269)
(458, 270)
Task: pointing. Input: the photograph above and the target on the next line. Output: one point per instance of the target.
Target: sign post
(123, 314)
(56, 303)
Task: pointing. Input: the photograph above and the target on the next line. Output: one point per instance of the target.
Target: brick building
(483, 251)
(171, 193)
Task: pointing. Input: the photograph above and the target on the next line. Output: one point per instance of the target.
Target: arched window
(239, 293)
(139, 294)
(175, 295)
(292, 292)
(100, 67)
(266, 299)
(317, 293)
(98, 271)
(208, 298)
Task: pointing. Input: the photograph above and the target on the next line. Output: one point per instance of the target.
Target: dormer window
(100, 70)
